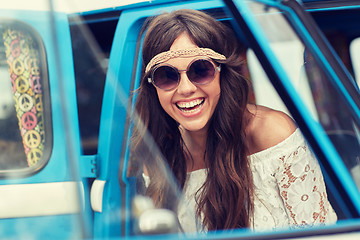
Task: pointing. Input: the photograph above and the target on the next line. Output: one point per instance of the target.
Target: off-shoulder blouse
(289, 189)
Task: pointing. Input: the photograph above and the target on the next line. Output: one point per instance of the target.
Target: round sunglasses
(199, 72)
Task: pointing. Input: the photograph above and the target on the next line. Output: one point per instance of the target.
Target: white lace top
(289, 189)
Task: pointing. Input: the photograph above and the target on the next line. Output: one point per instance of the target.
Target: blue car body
(90, 64)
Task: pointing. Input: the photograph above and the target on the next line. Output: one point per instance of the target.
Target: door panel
(42, 192)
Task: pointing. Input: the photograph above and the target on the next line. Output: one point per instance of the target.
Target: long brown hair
(225, 199)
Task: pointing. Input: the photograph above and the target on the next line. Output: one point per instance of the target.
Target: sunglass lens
(166, 77)
(201, 71)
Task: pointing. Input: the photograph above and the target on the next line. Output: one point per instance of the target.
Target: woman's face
(190, 105)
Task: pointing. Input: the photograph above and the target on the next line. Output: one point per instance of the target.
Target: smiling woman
(193, 100)
(238, 164)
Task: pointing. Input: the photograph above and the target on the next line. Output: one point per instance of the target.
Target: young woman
(238, 165)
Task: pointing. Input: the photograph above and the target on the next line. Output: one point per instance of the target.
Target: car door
(42, 192)
(115, 187)
(317, 82)
(291, 88)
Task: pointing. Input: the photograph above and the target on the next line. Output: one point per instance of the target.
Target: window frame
(47, 109)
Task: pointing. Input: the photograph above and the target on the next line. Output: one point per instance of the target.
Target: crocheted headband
(164, 56)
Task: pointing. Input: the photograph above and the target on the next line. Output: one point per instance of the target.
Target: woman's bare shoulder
(267, 128)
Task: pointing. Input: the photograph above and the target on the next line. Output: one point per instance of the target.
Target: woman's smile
(190, 107)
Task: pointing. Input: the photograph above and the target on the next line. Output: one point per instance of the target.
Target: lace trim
(291, 167)
(302, 188)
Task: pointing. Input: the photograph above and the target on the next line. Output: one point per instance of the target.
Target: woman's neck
(196, 144)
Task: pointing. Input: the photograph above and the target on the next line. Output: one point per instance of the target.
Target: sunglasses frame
(216, 69)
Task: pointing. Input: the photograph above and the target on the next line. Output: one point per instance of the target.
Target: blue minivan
(68, 73)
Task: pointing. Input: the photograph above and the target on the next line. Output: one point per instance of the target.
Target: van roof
(67, 6)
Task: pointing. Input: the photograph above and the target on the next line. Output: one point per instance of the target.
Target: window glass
(339, 25)
(289, 50)
(90, 69)
(306, 77)
(311, 82)
(24, 135)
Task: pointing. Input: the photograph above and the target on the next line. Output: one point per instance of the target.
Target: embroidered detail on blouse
(289, 184)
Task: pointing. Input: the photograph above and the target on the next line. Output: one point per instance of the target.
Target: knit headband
(164, 56)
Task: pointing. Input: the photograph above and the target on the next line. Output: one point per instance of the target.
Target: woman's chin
(194, 127)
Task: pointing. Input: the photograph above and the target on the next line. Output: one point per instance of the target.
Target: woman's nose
(186, 87)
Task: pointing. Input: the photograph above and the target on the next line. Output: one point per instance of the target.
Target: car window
(25, 136)
(90, 72)
(339, 26)
(312, 84)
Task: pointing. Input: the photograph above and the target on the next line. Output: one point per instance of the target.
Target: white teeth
(190, 104)
(189, 111)
(185, 107)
